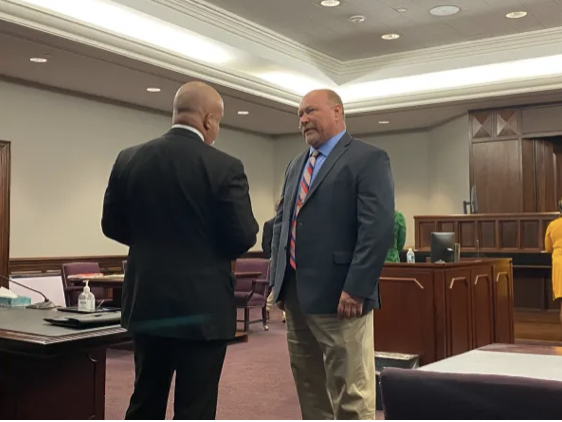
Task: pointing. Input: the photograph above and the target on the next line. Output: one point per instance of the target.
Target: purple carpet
(256, 381)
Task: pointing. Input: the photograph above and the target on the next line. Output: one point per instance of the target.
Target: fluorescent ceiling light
(518, 70)
(445, 10)
(38, 60)
(126, 22)
(153, 89)
(330, 3)
(401, 9)
(516, 15)
(243, 113)
(389, 37)
(384, 122)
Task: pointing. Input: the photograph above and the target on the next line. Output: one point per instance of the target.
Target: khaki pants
(333, 362)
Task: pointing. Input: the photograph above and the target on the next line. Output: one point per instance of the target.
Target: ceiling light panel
(138, 26)
(390, 37)
(330, 3)
(445, 10)
(516, 15)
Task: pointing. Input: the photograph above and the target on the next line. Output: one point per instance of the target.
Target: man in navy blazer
(333, 228)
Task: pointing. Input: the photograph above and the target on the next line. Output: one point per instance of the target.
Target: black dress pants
(198, 366)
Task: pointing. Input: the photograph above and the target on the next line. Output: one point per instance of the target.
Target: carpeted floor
(256, 381)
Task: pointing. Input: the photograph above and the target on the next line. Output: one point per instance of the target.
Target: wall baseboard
(108, 263)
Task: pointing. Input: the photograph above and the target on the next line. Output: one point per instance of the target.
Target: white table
(531, 361)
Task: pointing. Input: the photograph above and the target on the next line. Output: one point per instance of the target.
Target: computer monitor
(442, 247)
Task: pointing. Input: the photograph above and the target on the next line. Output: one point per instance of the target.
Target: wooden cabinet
(441, 310)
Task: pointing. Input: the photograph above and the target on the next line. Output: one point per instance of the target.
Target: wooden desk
(441, 310)
(49, 372)
(516, 236)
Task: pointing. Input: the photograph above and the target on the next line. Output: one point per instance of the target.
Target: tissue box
(15, 302)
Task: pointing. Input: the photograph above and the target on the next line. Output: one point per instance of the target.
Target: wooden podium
(441, 310)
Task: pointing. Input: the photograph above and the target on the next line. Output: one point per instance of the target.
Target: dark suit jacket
(183, 209)
(267, 237)
(344, 228)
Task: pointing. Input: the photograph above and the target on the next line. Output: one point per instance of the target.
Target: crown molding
(516, 42)
(84, 34)
(14, 12)
(248, 30)
(345, 71)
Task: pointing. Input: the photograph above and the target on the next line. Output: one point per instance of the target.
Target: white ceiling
(179, 39)
(328, 29)
(94, 72)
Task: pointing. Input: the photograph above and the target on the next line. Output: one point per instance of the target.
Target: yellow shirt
(553, 245)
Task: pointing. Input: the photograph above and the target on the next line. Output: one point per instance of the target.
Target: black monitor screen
(442, 246)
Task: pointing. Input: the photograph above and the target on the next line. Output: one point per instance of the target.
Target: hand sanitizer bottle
(86, 300)
(410, 257)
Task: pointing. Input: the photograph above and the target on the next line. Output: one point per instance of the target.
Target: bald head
(198, 105)
(321, 116)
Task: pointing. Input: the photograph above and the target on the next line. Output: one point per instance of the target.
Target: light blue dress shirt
(323, 152)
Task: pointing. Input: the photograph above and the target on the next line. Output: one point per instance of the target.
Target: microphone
(46, 304)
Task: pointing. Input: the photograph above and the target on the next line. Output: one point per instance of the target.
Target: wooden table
(49, 372)
(531, 361)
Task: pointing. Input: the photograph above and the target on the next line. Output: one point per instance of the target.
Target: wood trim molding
(108, 263)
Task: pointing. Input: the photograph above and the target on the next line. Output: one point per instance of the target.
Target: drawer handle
(456, 279)
(415, 280)
(479, 276)
(500, 274)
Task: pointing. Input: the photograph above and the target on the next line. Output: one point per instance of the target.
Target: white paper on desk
(7, 293)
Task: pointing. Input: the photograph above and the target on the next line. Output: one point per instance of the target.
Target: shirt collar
(191, 129)
(329, 145)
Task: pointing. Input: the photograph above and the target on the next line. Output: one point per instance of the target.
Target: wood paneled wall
(487, 232)
(515, 166)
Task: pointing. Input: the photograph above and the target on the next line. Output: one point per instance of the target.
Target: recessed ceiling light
(330, 3)
(38, 60)
(357, 19)
(153, 89)
(243, 113)
(390, 36)
(384, 122)
(445, 10)
(516, 15)
(401, 9)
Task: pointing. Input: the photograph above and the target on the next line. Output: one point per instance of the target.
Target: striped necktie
(304, 185)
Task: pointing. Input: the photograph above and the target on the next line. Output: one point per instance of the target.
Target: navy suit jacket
(344, 227)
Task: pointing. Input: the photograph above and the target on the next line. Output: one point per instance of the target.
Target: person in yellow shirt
(553, 245)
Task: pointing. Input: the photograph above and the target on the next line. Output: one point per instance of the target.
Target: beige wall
(63, 148)
(430, 168)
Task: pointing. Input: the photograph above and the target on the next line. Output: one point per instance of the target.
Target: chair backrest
(409, 394)
(74, 268)
(244, 265)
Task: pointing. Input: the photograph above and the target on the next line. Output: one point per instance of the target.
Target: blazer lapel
(331, 159)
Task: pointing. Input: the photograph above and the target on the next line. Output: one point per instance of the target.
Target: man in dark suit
(267, 237)
(333, 228)
(184, 210)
